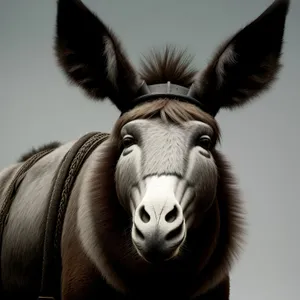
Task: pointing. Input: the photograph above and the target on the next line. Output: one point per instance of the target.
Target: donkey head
(167, 174)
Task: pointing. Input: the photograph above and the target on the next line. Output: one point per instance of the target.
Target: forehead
(165, 146)
(151, 126)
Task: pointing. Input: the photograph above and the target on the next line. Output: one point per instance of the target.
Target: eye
(205, 142)
(128, 141)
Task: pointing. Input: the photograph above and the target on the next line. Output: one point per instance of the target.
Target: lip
(158, 257)
(154, 255)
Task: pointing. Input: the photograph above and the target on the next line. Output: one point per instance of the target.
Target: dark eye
(205, 142)
(128, 141)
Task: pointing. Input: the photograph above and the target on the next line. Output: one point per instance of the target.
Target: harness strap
(62, 187)
(9, 197)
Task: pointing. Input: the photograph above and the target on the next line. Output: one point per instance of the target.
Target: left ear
(247, 64)
(92, 57)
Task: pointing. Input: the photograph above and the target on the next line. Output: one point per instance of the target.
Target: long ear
(91, 56)
(247, 64)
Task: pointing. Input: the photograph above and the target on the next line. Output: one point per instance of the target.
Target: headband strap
(148, 93)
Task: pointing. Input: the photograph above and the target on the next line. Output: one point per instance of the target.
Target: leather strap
(62, 187)
(63, 183)
(11, 191)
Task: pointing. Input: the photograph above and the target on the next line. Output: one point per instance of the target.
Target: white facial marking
(157, 217)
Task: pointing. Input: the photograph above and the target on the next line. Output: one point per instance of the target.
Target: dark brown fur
(203, 264)
(169, 65)
(243, 67)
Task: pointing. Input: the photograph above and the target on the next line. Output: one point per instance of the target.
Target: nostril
(172, 215)
(144, 216)
(174, 233)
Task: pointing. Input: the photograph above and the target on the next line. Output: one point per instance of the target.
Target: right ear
(247, 64)
(92, 57)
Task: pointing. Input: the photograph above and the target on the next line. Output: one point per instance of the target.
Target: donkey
(154, 212)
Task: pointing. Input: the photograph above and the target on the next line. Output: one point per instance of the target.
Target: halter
(148, 93)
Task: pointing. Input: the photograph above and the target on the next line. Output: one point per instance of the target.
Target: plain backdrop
(261, 139)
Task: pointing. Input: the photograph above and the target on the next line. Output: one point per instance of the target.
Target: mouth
(156, 257)
(156, 253)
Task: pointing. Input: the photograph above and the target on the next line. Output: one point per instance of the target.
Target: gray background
(261, 140)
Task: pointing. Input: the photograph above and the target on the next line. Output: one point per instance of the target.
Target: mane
(33, 151)
(171, 64)
(167, 110)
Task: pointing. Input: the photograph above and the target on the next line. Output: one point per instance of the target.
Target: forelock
(168, 110)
